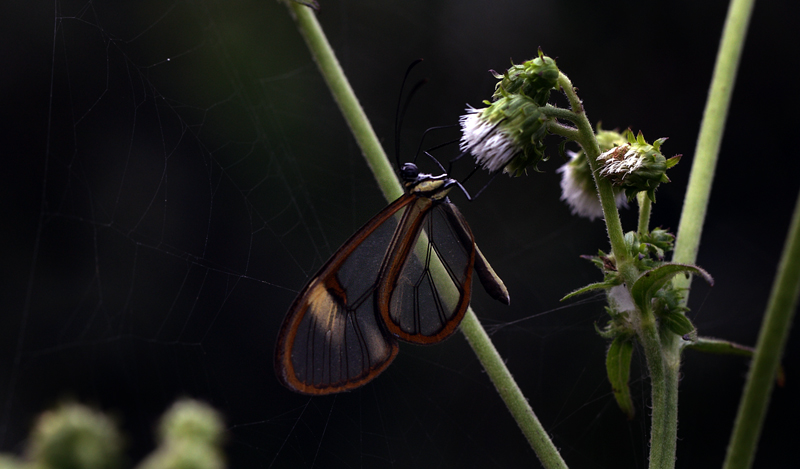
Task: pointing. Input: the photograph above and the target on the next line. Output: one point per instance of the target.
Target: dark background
(175, 172)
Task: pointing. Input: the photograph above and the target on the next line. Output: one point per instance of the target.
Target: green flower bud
(190, 420)
(184, 455)
(75, 436)
(10, 462)
(608, 139)
(534, 79)
(190, 435)
(637, 166)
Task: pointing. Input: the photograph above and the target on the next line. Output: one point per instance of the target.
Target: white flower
(578, 188)
(486, 141)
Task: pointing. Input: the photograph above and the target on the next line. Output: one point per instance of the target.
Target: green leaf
(618, 366)
(562, 151)
(724, 347)
(720, 347)
(653, 280)
(673, 161)
(588, 288)
(678, 323)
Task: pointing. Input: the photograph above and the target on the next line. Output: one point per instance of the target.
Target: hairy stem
(769, 349)
(662, 361)
(510, 393)
(389, 184)
(586, 139)
(348, 103)
(706, 152)
(664, 419)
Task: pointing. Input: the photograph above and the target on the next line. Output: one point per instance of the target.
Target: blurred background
(178, 170)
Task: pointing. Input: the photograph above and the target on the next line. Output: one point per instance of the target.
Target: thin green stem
(510, 393)
(706, 152)
(769, 349)
(586, 139)
(559, 113)
(569, 133)
(644, 212)
(389, 184)
(348, 103)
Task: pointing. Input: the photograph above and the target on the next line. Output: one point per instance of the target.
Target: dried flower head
(636, 166)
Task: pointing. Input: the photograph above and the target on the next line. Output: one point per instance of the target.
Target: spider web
(176, 171)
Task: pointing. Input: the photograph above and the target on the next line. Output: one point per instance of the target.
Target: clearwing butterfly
(383, 285)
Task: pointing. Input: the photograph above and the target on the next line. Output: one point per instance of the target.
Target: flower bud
(636, 166)
(75, 436)
(190, 437)
(506, 135)
(577, 185)
(509, 133)
(533, 79)
(188, 419)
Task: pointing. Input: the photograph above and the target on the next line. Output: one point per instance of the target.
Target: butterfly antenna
(496, 173)
(402, 106)
(471, 173)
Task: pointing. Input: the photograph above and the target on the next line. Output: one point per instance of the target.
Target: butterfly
(406, 274)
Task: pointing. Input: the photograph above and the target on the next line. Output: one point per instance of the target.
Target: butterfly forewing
(331, 339)
(406, 274)
(419, 304)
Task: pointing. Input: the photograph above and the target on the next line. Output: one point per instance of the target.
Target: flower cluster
(508, 134)
(577, 184)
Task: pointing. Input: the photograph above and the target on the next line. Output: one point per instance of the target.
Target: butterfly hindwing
(331, 339)
(417, 303)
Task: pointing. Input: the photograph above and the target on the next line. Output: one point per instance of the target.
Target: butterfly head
(409, 173)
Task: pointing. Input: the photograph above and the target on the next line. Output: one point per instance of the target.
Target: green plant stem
(706, 151)
(378, 162)
(645, 204)
(664, 419)
(701, 178)
(348, 103)
(697, 195)
(769, 349)
(510, 393)
(586, 139)
(662, 361)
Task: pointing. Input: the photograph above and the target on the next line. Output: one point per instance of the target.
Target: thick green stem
(389, 184)
(706, 152)
(702, 175)
(663, 380)
(769, 349)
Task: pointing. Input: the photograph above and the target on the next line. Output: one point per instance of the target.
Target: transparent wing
(332, 338)
(427, 274)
